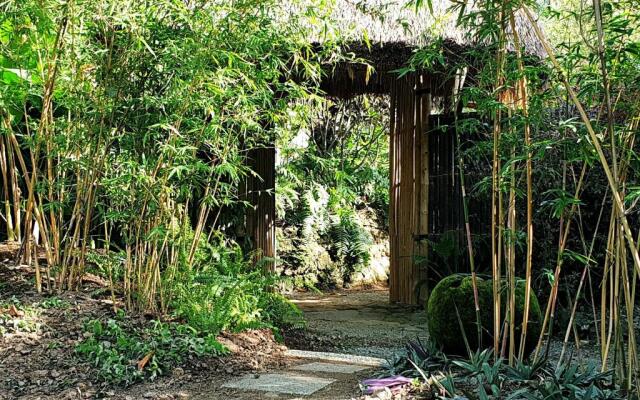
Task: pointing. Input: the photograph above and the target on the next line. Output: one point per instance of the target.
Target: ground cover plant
(480, 376)
(73, 345)
(161, 346)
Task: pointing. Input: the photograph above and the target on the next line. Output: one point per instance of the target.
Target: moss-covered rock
(453, 297)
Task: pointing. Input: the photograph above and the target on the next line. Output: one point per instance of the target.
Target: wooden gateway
(425, 192)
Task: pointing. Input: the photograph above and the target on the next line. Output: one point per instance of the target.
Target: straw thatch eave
(392, 21)
(379, 64)
(378, 37)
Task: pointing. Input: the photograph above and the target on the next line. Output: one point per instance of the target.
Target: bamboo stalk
(496, 198)
(465, 208)
(524, 104)
(550, 308)
(5, 179)
(595, 141)
(574, 308)
(15, 190)
(511, 262)
(618, 212)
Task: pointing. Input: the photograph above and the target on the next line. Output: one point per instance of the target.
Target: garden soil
(38, 361)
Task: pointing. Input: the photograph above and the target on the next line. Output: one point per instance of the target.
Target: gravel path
(357, 322)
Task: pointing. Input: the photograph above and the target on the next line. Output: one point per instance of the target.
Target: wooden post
(261, 193)
(423, 111)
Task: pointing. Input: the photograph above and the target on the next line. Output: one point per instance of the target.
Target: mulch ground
(37, 348)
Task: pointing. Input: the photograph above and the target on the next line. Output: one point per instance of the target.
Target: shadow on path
(358, 322)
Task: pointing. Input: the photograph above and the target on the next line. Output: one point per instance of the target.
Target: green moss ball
(451, 304)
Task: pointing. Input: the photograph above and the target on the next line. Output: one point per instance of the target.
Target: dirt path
(358, 322)
(207, 385)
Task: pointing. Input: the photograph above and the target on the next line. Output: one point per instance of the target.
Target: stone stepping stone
(338, 357)
(330, 368)
(281, 383)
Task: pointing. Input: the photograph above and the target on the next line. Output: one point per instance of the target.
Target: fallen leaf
(145, 360)
(95, 279)
(14, 312)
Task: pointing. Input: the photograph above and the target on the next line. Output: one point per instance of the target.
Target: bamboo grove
(582, 108)
(124, 121)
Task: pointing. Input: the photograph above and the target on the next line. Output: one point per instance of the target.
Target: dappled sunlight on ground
(359, 322)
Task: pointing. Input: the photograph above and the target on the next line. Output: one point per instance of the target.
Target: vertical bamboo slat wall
(446, 220)
(409, 198)
(425, 192)
(423, 171)
(261, 193)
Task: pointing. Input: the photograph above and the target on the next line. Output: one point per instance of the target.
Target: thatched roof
(386, 33)
(392, 21)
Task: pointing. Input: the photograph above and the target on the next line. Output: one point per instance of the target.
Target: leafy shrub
(107, 264)
(305, 262)
(225, 291)
(350, 243)
(281, 312)
(124, 355)
(313, 212)
(326, 246)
